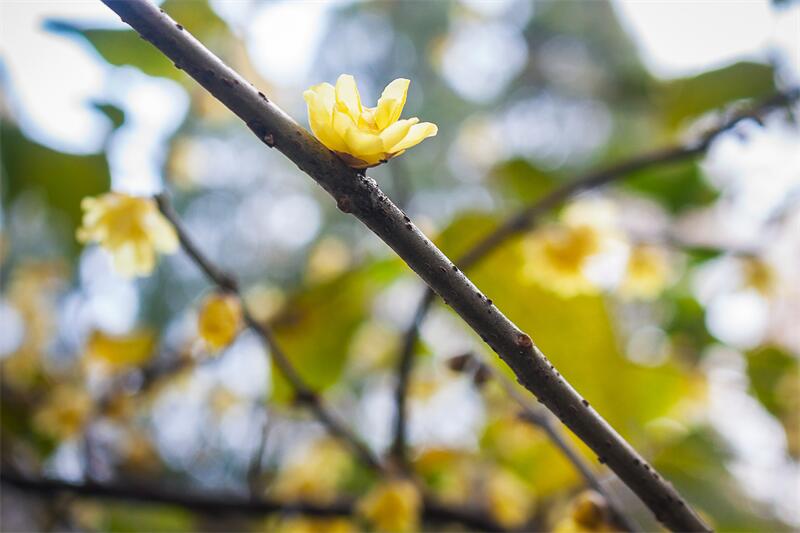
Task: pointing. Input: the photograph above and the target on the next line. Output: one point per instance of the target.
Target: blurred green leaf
(686, 325)
(126, 47)
(62, 179)
(677, 186)
(318, 323)
(122, 47)
(767, 368)
(114, 113)
(577, 335)
(690, 97)
(696, 465)
(523, 181)
(122, 518)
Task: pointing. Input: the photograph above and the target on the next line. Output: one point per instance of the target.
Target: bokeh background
(106, 375)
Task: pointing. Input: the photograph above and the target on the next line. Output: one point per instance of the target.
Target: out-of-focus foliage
(642, 294)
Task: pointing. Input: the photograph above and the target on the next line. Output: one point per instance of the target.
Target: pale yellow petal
(416, 135)
(365, 146)
(163, 235)
(396, 132)
(391, 103)
(347, 96)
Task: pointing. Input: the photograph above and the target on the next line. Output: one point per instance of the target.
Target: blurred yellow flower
(557, 256)
(219, 320)
(647, 274)
(510, 500)
(119, 352)
(589, 513)
(392, 506)
(315, 474)
(32, 290)
(64, 412)
(759, 275)
(131, 228)
(363, 136)
(298, 524)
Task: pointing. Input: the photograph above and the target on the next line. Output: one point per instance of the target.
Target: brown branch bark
(226, 504)
(360, 196)
(304, 394)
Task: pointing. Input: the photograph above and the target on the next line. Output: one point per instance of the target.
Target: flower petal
(347, 96)
(416, 135)
(366, 146)
(391, 103)
(396, 132)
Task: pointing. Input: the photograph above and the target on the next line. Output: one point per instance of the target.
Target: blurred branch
(543, 419)
(360, 195)
(527, 217)
(303, 393)
(221, 504)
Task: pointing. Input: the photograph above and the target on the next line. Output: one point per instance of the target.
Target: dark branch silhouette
(226, 504)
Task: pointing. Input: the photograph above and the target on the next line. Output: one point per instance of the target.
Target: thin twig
(360, 195)
(303, 393)
(527, 217)
(543, 419)
(226, 504)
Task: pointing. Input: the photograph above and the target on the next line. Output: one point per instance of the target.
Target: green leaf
(690, 97)
(521, 180)
(318, 323)
(126, 518)
(578, 336)
(767, 368)
(114, 113)
(126, 47)
(696, 464)
(122, 47)
(62, 179)
(677, 186)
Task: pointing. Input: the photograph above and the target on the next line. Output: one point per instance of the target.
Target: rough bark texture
(360, 196)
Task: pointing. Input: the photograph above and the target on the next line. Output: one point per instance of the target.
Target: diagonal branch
(225, 504)
(527, 217)
(303, 392)
(360, 196)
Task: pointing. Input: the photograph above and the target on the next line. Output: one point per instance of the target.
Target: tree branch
(223, 504)
(527, 217)
(303, 392)
(360, 196)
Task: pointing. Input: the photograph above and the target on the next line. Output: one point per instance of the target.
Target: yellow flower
(130, 228)
(392, 506)
(316, 474)
(557, 257)
(298, 524)
(647, 274)
(118, 352)
(759, 275)
(219, 320)
(363, 136)
(510, 500)
(589, 514)
(64, 412)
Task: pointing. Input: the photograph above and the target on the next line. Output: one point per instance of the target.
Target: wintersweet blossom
(64, 412)
(392, 506)
(219, 320)
(131, 228)
(557, 256)
(364, 136)
(648, 272)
